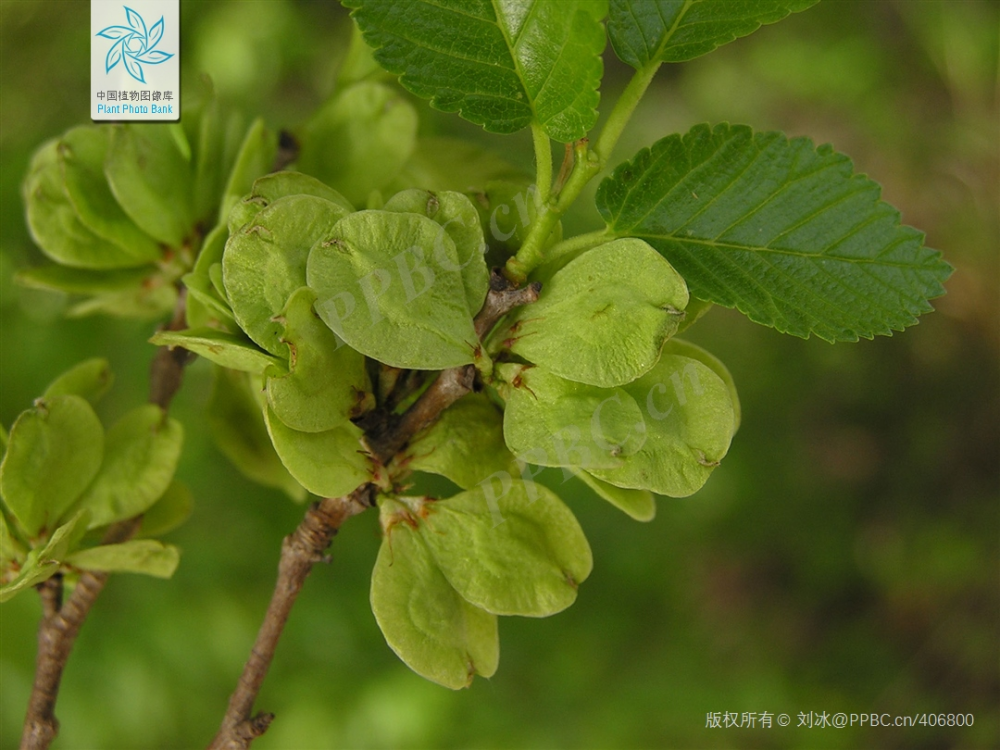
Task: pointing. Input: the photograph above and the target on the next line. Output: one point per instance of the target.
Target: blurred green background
(843, 558)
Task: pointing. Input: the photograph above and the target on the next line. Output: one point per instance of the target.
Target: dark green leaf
(499, 64)
(140, 456)
(510, 547)
(777, 228)
(151, 178)
(326, 382)
(169, 512)
(134, 556)
(360, 140)
(436, 632)
(603, 318)
(390, 285)
(644, 31)
(227, 349)
(235, 419)
(90, 379)
(265, 261)
(55, 451)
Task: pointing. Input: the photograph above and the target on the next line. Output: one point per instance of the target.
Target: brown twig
(299, 552)
(56, 636)
(385, 437)
(61, 621)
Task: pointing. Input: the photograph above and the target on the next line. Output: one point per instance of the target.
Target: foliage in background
(793, 540)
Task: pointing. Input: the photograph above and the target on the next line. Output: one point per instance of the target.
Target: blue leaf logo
(134, 45)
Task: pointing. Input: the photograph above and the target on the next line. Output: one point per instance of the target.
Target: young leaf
(550, 421)
(169, 512)
(516, 550)
(360, 140)
(134, 556)
(255, 157)
(645, 31)
(151, 179)
(436, 632)
(390, 285)
(90, 379)
(639, 504)
(82, 152)
(603, 318)
(235, 419)
(55, 225)
(44, 562)
(689, 424)
(226, 349)
(687, 349)
(777, 228)
(326, 381)
(141, 453)
(501, 65)
(265, 261)
(465, 445)
(59, 278)
(329, 464)
(54, 452)
(459, 218)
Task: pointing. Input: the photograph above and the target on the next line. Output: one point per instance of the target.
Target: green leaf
(510, 547)
(639, 504)
(55, 225)
(459, 218)
(140, 456)
(777, 228)
(255, 158)
(271, 187)
(84, 280)
(235, 420)
(151, 179)
(82, 152)
(465, 445)
(440, 163)
(170, 511)
(645, 31)
(359, 140)
(227, 349)
(436, 632)
(90, 379)
(55, 451)
(265, 261)
(221, 134)
(550, 421)
(142, 302)
(687, 349)
(499, 64)
(329, 463)
(603, 318)
(689, 424)
(134, 556)
(326, 382)
(44, 562)
(389, 285)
